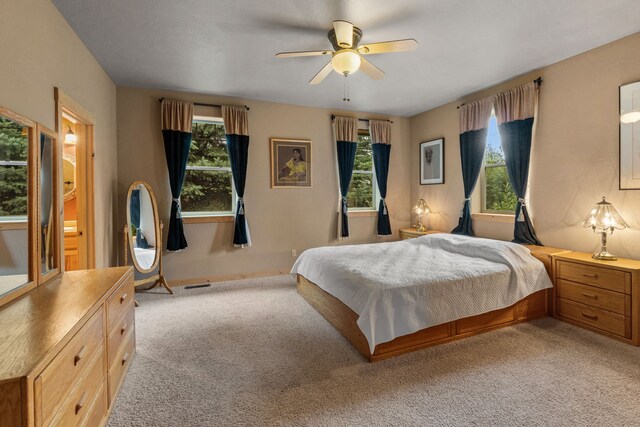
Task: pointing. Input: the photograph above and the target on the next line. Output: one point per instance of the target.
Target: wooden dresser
(602, 296)
(65, 348)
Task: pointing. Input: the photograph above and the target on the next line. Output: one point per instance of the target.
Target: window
(497, 194)
(208, 183)
(14, 143)
(362, 190)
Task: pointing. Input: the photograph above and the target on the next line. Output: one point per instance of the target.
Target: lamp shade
(346, 61)
(421, 207)
(604, 217)
(70, 137)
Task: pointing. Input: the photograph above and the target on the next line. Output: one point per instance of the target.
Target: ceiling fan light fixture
(346, 61)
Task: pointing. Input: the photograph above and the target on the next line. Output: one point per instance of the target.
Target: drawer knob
(589, 316)
(81, 402)
(78, 357)
(591, 276)
(123, 329)
(125, 358)
(590, 295)
(123, 298)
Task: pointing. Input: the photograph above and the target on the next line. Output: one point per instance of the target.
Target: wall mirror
(48, 236)
(17, 188)
(630, 136)
(143, 234)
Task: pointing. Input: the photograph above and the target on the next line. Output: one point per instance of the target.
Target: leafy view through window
(13, 169)
(362, 189)
(498, 194)
(208, 186)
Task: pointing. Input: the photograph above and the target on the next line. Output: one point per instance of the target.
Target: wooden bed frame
(344, 319)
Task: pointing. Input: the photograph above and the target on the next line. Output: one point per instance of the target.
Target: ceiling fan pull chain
(346, 90)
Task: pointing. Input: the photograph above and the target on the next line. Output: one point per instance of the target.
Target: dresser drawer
(595, 297)
(119, 333)
(58, 378)
(118, 303)
(601, 277)
(595, 317)
(77, 407)
(98, 410)
(121, 365)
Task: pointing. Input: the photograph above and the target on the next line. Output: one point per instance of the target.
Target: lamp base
(604, 256)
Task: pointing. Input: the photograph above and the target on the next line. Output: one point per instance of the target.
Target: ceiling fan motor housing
(357, 35)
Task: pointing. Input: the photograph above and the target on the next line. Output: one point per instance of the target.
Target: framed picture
(432, 162)
(290, 163)
(630, 136)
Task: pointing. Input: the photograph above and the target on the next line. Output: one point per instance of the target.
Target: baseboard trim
(225, 278)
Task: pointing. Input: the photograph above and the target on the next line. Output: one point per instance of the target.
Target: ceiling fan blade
(321, 74)
(344, 33)
(371, 70)
(303, 53)
(388, 47)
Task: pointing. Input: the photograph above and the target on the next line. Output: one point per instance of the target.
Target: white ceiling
(228, 47)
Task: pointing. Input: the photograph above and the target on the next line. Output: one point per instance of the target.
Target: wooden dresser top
(43, 320)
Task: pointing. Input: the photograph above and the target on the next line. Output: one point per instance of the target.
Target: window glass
(498, 196)
(362, 190)
(208, 183)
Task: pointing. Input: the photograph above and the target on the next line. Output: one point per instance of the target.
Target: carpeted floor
(253, 352)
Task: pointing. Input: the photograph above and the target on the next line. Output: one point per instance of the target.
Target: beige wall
(575, 156)
(41, 51)
(279, 219)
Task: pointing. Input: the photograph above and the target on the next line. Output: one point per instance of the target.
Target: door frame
(84, 170)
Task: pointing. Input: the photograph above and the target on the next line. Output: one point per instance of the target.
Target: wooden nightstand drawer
(602, 277)
(595, 317)
(595, 297)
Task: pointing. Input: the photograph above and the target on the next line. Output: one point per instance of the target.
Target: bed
(390, 298)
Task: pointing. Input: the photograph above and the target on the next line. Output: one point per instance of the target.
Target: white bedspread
(398, 288)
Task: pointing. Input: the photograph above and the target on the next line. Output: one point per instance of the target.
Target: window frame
(212, 216)
(375, 196)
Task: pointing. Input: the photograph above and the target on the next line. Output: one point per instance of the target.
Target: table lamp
(420, 209)
(603, 219)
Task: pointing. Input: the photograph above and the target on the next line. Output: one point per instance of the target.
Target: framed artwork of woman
(290, 163)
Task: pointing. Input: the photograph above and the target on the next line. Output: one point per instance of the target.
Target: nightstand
(602, 296)
(410, 233)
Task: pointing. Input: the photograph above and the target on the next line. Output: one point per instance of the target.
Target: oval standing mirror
(144, 227)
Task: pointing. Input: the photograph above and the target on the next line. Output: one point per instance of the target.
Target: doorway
(75, 127)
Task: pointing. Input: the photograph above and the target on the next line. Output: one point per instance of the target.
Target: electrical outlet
(294, 253)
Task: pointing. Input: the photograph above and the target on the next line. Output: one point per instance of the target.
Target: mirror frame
(156, 217)
(33, 169)
(56, 189)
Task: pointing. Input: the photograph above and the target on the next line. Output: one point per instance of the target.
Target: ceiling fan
(347, 58)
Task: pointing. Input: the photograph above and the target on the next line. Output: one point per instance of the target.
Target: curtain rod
(206, 105)
(333, 116)
(537, 81)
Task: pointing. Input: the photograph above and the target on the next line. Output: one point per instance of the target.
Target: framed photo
(432, 162)
(630, 136)
(290, 163)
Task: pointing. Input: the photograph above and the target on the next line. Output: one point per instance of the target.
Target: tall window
(208, 184)
(362, 190)
(497, 194)
(13, 170)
